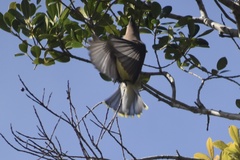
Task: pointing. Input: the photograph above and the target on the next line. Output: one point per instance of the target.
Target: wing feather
(102, 57)
(130, 54)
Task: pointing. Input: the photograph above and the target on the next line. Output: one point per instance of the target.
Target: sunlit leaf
(210, 148)
(234, 133)
(201, 156)
(220, 145)
(233, 150)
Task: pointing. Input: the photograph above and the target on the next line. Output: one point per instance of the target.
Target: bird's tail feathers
(126, 100)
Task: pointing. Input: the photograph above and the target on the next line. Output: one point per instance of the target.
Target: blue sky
(161, 130)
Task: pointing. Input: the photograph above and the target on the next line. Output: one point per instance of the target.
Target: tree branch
(194, 109)
(235, 10)
(202, 9)
(222, 29)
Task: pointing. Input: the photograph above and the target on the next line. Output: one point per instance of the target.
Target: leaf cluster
(230, 151)
(48, 36)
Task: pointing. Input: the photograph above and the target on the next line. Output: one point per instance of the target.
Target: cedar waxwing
(121, 59)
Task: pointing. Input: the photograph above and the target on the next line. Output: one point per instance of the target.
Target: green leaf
(220, 145)
(183, 21)
(26, 32)
(15, 25)
(64, 14)
(145, 30)
(3, 25)
(222, 63)
(19, 54)
(171, 53)
(156, 9)
(200, 42)
(23, 47)
(194, 31)
(59, 56)
(163, 41)
(237, 102)
(210, 149)
(234, 133)
(166, 11)
(36, 51)
(13, 5)
(144, 77)
(54, 9)
(105, 77)
(25, 8)
(48, 61)
(191, 28)
(195, 60)
(77, 14)
(17, 15)
(105, 20)
(73, 44)
(32, 9)
(8, 18)
(206, 32)
(201, 156)
(38, 61)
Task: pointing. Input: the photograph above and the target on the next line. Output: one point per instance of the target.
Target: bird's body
(121, 59)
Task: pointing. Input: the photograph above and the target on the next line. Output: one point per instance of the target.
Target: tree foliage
(50, 30)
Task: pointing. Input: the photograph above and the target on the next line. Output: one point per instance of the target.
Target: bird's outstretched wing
(130, 54)
(103, 58)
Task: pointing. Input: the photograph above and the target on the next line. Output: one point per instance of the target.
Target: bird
(121, 59)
